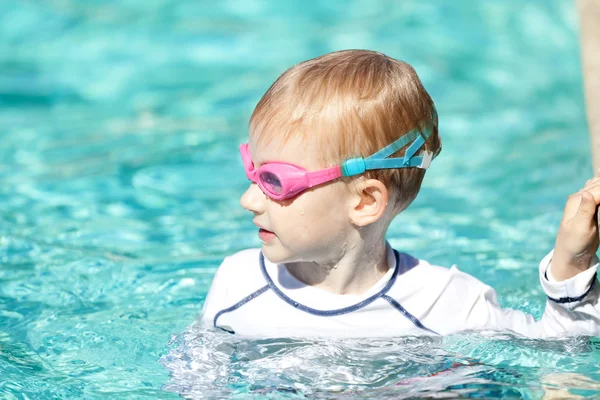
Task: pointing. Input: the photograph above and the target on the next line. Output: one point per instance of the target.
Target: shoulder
(443, 291)
(435, 275)
(238, 275)
(246, 256)
(243, 266)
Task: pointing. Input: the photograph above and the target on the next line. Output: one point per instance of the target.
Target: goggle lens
(271, 183)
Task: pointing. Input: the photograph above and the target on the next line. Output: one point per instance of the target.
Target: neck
(353, 271)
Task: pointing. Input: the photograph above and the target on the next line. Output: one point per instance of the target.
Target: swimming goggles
(280, 180)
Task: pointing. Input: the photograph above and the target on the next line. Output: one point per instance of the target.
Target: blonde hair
(354, 103)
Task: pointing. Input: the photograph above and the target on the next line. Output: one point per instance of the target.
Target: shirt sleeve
(572, 308)
(573, 304)
(570, 293)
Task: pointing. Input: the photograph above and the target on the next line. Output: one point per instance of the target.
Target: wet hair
(353, 103)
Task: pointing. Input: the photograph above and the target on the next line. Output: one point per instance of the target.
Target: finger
(572, 206)
(594, 190)
(581, 206)
(585, 216)
(587, 206)
(592, 182)
(576, 205)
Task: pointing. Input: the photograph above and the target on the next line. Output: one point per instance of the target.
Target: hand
(577, 238)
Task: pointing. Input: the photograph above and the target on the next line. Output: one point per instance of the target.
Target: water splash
(204, 363)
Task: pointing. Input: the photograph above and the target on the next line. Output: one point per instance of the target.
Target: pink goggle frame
(280, 180)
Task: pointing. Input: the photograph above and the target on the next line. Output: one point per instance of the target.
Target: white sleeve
(571, 308)
(216, 299)
(574, 302)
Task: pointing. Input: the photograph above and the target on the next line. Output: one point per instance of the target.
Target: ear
(370, 202)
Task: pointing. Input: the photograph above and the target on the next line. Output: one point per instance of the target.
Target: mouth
(265, 235)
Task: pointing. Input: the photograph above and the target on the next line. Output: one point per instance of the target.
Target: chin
(271, 254)
(283, 255)
(276, 255)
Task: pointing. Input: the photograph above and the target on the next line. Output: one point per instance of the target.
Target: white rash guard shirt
(253, 297)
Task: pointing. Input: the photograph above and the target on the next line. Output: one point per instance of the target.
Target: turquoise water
(114, 116)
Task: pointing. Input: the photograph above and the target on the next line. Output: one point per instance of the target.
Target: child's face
(314, 226)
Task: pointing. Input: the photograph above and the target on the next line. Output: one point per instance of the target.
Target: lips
(265, 235)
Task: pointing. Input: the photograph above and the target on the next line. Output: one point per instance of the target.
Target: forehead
(296, 150)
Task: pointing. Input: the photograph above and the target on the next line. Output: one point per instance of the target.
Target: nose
(253, 199)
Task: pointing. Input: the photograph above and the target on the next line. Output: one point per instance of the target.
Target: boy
(338, 147)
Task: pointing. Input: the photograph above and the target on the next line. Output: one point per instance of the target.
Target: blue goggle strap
(379, 160)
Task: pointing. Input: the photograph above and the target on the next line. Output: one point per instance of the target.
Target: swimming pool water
(115, 116)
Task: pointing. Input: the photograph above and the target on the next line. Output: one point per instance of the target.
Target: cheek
(324, 209)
